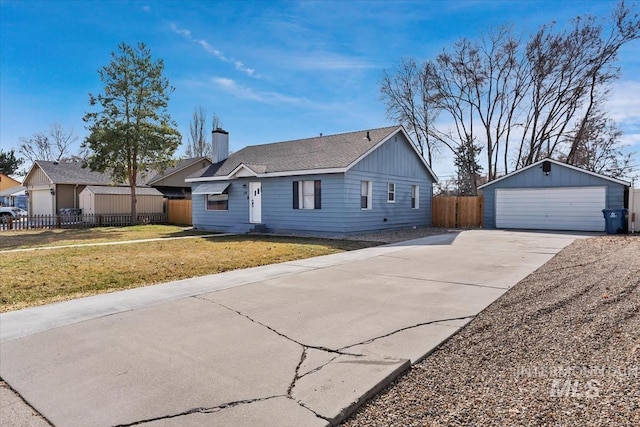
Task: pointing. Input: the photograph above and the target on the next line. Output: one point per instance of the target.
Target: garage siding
(559, 176)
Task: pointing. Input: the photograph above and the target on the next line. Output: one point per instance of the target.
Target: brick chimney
(219, 145)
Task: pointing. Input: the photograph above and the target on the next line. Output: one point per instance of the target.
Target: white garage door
(41, 202)
(564, 208)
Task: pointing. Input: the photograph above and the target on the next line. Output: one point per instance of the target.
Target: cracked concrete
(301, 343)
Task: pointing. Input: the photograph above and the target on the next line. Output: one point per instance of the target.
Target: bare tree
(198, 145)
(519, 101)
(199, 140)
(55, 144)
(411, 98)
(597, 149)
(216, 122)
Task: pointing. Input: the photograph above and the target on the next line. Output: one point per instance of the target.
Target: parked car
(11, 212)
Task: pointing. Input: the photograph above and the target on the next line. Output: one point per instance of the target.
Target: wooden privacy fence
(179, 212)
(78, 221)
(457, 211)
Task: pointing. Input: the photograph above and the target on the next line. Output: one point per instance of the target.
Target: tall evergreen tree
(466, 162)
(9, 163)
(132, 129)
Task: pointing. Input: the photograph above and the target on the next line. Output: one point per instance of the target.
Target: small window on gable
(307, 194)
(391, 192)
(365, 194)
(415, 197)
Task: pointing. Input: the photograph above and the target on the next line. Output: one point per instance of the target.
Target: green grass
(44, 276)
(39, 238)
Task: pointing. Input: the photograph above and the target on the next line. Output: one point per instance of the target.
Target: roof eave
(271, 174)
(509, 175)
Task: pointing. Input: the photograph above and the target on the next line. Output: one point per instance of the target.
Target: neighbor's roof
(140, 191)
(555, 162)
(321, 153)
(13, 190)
(73, 172)
(180, 165)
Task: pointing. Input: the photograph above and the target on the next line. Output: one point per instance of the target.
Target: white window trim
(391, 192)
(369, 196)
(301, 194)
(416, 188)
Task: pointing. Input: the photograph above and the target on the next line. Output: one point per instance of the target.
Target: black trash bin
(615, 220)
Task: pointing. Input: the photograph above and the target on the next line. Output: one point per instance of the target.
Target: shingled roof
(73, 172)
(140, 191)
(180, 165)
(330, 152)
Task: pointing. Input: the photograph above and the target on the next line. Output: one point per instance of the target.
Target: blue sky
(271, 70)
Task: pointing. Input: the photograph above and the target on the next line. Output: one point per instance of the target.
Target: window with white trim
(415, 197)
(365, 194)
(391, 192)
(307, 194)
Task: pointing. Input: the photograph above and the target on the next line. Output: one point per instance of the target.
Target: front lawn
(59, 237)
(44, 276)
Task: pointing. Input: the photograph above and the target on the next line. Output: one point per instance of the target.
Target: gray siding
(394, 158)
(394, 161)
(235, 220)
(559, 177)
(278, 214)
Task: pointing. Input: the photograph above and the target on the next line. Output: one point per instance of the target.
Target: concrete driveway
(296, 344)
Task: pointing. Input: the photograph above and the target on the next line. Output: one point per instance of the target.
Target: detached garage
(550, 195)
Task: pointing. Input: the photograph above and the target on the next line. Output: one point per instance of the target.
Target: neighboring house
(171, 182)
(14, 196)
(52, 186)
(6, 182)
(550, 195)
(116, 200)
(335, 184)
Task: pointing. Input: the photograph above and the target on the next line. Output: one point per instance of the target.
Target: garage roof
(509, 175)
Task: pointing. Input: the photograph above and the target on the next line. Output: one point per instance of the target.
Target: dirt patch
(560, 348)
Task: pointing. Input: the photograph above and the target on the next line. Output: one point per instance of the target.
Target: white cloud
(624, 103)
(630, 140)
(241, 67)
(186, 33)
(264, 97)
(329, 61)
(146, 8)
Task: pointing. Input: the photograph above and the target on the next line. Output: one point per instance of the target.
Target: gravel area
(561, 348)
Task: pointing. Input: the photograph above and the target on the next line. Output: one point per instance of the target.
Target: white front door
(255, 202)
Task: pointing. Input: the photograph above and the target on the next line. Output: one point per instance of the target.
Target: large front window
(217, 202)
(307, 194)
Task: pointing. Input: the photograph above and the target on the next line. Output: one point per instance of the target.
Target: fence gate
(179, 212)
(457, 211)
